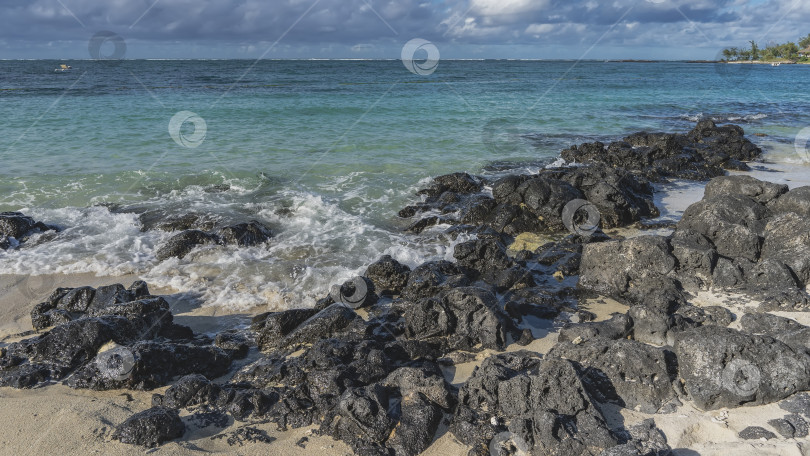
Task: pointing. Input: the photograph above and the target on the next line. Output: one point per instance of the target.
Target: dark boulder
(150, 364)
(165, 221)
(791, 426)
(273, 327)
(756, 433)
(16, 227)
(462, 319)
(542, 197)
(638, 270)
(194, 389)
(431, 278)
(426, 381)
(657, 326)
(388, 276)
(760, 191)
(461, 183)
(783, 329)
(244, 234)
(696, 257)
(643, 439)
(620, 197)
(488, 261)
(787, 239)
(722, 367)
(796, 201)
(625, 372)
(418, 422)
(332, 321)
(565, 420)
(179, 245)
(729, 222)
(699, 155)
(363, 419)
(77, 299)
(151, 427)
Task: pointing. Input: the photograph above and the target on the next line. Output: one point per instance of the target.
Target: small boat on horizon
(776, 64)
(63, 69)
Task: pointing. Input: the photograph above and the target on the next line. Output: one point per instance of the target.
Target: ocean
(323, 152)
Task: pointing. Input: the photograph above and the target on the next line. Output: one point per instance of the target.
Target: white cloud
(539, 29)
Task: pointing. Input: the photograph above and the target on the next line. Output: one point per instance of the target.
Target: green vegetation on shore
(789, 51)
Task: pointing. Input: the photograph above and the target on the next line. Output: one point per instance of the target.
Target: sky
(460, 29)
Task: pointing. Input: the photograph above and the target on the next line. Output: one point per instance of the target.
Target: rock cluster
(703, 153)
(109, 337)
(16, 228)
(241, 234)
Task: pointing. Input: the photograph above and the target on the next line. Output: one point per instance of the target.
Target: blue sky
(545, 29)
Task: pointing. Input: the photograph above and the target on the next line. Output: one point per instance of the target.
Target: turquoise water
(343, 144)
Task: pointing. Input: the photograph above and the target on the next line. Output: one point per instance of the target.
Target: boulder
(787, 239)
(273, 327)
(791, 426)
(760, 191)
(637, 270)
(783, 329)
(729, 222)
(723, 367)
(461, 319)
(388, 276)
(756, 433)
(179, 245)
(625, 372)
(151, 427)
(462, 183)
(419, 420)
(431, 278)
(244, 234)
(796, 201)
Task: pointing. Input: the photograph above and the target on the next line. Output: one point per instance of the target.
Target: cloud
(378, 27)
